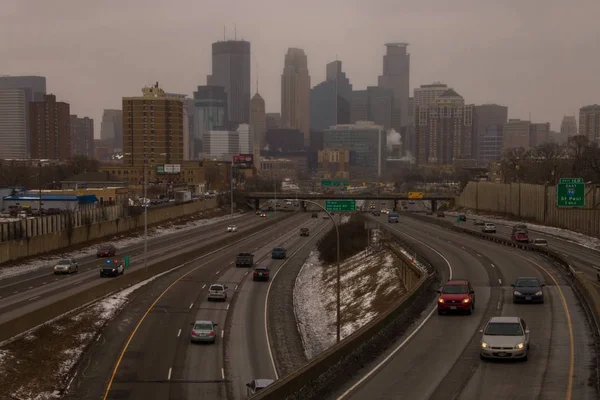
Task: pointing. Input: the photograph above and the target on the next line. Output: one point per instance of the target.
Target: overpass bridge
(435, 198)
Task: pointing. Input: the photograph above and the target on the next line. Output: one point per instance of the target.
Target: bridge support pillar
(395, 205)
(303, 206)
(433, 205)
(256, 204)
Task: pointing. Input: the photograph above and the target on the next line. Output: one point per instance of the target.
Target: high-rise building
(295, 93)
(210, 114)
(231, 70)
(539, 133)
(50, 129)
(245, 139)
(330, 100)
(274, 121)
(186, 122)
(152, 129)
(444, 130)
(396, 75)
(374, 104)
(426, 95)
(111, 129)
(589, 122)
(221, 145)
(487, 115)
(82, 136)
(568, 128)
(16, 139)
(13, 124)
(258, 126)
(285, 140)
(366, 142)
(515, 134)
(490, 144)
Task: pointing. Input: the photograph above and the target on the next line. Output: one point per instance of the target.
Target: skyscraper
(258, 126)
(568, 126)
(396, 75)
(16, 138)
(210, 114)
(487, 115)
(330, 100)
(82, 136)
(111, 128)
(374, 104)
(427, 94)
(231, 70)
(295, 93)
(274, 121)
(589, 122)
(50, 129)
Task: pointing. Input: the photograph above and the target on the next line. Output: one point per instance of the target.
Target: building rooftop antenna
(257, 77)
(224, 33)
(234, 31)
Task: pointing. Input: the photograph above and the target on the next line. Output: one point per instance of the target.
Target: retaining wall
(535, 203)
(73, 235)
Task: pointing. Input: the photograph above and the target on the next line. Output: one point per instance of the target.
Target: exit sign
(340, 205)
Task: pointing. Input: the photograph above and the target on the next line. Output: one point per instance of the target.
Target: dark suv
(278, 253)
(261, 274)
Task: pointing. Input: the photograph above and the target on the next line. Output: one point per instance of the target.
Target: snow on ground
(370, 285)
(570, 236)
(345, 218)
(119, 241)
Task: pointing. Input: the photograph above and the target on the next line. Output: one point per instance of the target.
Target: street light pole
(40, 188)
(145, 204)
(338, 277)
(231, 189)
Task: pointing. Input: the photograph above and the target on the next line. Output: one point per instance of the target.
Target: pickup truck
(304, 232)
(244, 260)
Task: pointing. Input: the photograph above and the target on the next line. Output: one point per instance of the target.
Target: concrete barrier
(37, 317)
(299, 380)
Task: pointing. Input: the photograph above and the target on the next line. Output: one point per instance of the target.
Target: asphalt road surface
(442, 357)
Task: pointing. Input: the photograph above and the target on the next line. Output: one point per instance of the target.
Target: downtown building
(82, 136)
(210, 114)
(487, 139)
(295, 93)
(16, 93)
(374, 104)
(444, 130)
(111, 130)
(589, 122)
(396, 77)
(258, 126)
(568, 128)
(330, 100)
(50, 129)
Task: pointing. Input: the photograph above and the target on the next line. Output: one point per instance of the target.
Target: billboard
(243, 161)
(168, 169)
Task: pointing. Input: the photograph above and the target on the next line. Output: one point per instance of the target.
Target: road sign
(570, 192)
(325, 183)
(126, 261)
(334, 183)
(415, 195)
(340, 205)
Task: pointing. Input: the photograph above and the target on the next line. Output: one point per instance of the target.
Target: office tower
(515, 134)
(330, 100)
(490, 144)
(396, 75)
(568, 128)
(17, 138)
(487, 115)
(366, 142)
(231, 70)
(426, 95)
(444, 130)
(221, 145)
(50, 129)
(374, 104)
(152, 129)
(285, 140)
(258, 126)
(295, 93)
(274, 121)
(210, 114)
(82, 136)
(589, 122)
(111, 129)
(245, 139)
(539, 133)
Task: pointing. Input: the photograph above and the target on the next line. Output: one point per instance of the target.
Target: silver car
(203, 332)
(505, 338)
(256, 386)
(216, 291)
(66, 267)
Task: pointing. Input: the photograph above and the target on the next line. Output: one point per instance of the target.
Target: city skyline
(508, 63)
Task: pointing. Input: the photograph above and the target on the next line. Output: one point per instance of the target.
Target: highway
(441, 359)
(27, 292)
(158, 360)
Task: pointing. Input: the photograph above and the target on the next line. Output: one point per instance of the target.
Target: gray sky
(535, 56)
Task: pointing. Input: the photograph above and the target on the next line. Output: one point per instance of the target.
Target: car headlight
(484, 345)
(466, 300)
(114, 269)
(440, 300)
(520, 346)
(517, 293)
(539, 293)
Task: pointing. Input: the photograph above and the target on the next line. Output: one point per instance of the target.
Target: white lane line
(222, 333)
(43, 283)
(236, 287)
(231, 263)
(246, 273)
(98, 338)
(222, 373)
(228, 306)
(33, 298)
(15, 292)
(179, 333)
(169, 376)
(498, 306)
(191, 305)
(500, 281)
(493, 266)
(217, 273)
(55, 279)
(30, 287)
(479, 254)
(417, 329)
(449, 241)
(203, 287)
(462, 247)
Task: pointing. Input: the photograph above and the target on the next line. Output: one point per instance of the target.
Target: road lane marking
(179, 333)
(203, 286)
(15, 292)
(231, 263)
(408, 339)
(246, 273)
(222, 333)
(236, 287)
(33, 298)
(222, 373)
(479, 255)
(169, 376)
(30, 287)
(462, 247)
(493, 266)
(217, 273)
(500, 281)
(228, 306)
(191, 305)
(43, 283)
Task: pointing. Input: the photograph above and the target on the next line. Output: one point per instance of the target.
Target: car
(262, 215)
(488, 228)
(232, 228)
(393, 217)
(478, 222)
(258, 213)
(520, 236)
(377, 213)
(440, 214)
(304, 232)
(411, 202)
(112, 267)
(256, 385)
(529, 290)
(261, 274)
(462, 217)
(456, 295)
(106, 250)
(278, 253)
(217, 291)
(66, 266)
(203, 332)
(505, 338)
(314, 215)
(325, 216)
(540, 242)
(519, 227)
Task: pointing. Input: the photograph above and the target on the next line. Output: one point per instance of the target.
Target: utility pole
(40, 188)
(145, 204)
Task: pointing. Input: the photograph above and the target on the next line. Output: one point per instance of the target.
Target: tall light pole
(338, 278)
(145, 204)
(40, 188)
(231, 189)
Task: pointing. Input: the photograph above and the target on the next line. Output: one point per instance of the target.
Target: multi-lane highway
(441, 359)
(24, 293)
(159, 361)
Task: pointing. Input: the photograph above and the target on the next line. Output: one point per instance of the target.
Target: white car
(232, 228)
(488, 228)
(217, 292)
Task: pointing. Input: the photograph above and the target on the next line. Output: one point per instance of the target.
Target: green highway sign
(325, 183)
(334, 183)
(126, 261)
(340, 205)
(570, 192)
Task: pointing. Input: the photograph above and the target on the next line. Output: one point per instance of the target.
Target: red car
(106, 250)
(520, 236)
(456, 295)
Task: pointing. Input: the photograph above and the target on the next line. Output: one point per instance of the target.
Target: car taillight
(212, 333)
(193, 333)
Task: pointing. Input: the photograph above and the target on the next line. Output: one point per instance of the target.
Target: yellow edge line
(569, 324)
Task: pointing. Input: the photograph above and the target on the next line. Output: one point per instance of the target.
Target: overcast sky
(535, 56)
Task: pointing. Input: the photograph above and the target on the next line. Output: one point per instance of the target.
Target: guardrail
(302, 380)
(45, 314)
